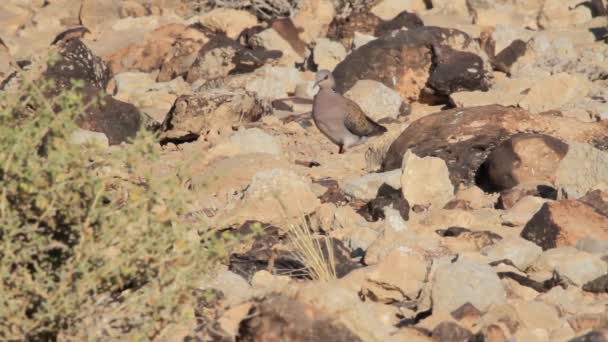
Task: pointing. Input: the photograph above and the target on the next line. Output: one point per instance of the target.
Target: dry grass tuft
(309, 251)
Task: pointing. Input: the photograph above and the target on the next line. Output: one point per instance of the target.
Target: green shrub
(91, 240)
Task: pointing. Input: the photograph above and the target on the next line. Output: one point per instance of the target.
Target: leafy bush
(92, 243)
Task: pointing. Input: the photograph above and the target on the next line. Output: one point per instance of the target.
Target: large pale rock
(270, 39)
(275, 196)
(563, 223)
(425, 181)
(313, 18)
(229, 174)
(563, 13)
(463, 281)
(554, 92)
(576, 266)
(84, 137)
(366, 187)
(254, 140)
(228, 20)
(400, 276)
(327, 54)
(454, 7)
(388, 9)
(155, 99)
(268, 82)
(234, 287)
(95, 14)
(370, 321)
(377, 100)
(584, 168)
(521, 252)
(523, 210)
(537, 315)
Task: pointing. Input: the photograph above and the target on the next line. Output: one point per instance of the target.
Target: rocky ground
(481, 215)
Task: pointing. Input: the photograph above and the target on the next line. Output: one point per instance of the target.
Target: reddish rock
(563, 223)
(464, 137)
(404, 61)
(524, 159)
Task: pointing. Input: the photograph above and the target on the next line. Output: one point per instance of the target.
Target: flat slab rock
(464, 138)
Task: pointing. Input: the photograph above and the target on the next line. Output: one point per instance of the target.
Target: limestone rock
(584, 168)
(398, 277)
(230, 21)
(95, 14)
(537, 315)
(563, 223)
(155, 99)
(377, 100)
(230, 173)
(313, 18)
(554, 92)
(82, 137)
(366, 187)
(327, 54)
(270, 39)
(522, 211)
(466, 282)
(275, 195)
(521, 252)
(560, 13)
(576, 266)
(268, 82)
(254, 140)
(425, 181)
(388, 9)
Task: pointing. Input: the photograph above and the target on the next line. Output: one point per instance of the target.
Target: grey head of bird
(325, 80)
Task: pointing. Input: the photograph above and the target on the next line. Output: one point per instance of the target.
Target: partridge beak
(316, 83)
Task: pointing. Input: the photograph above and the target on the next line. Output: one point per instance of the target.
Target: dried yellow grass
(308, 250)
